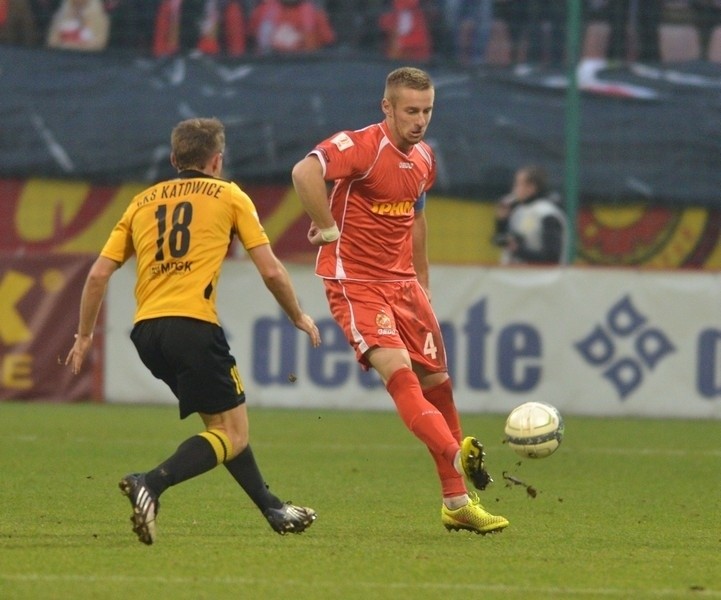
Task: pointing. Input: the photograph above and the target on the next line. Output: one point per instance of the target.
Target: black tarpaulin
(646, 132)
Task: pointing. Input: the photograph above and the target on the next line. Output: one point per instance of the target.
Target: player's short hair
(406, 77)
(194, 142)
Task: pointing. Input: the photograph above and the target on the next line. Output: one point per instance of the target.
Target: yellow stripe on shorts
(235, 374)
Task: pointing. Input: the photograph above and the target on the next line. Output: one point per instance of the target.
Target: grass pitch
(625, 509)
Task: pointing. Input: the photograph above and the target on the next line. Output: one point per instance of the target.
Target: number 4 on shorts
(429, 347)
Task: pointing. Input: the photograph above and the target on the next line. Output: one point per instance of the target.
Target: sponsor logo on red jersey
(393, 209)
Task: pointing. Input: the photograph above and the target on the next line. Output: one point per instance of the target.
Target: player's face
(408, 114)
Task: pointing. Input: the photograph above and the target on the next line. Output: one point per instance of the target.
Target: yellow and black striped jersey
(179, 231)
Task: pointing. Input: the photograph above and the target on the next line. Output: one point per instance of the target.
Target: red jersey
(373, 201)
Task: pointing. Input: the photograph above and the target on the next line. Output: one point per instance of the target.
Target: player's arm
(92, 298)
(420, 250)
(277, 280)
(311, 189)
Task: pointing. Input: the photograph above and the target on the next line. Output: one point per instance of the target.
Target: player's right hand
(315, 236)
(307, 324)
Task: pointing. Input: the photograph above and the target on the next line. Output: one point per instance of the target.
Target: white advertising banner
(590, 341)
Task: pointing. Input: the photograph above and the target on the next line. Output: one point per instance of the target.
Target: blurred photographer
(530, 223)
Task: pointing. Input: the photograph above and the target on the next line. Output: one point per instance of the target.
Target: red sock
(441, 396)
(421, 417)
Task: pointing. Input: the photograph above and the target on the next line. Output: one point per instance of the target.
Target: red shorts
(394, 314)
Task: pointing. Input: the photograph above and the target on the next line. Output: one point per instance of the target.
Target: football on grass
(534, 429)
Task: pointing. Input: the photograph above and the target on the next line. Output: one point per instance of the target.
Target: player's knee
(432, 380)
(239, 443)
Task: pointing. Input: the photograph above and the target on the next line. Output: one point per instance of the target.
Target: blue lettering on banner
(625, 373)
(517, 346)
(448, 333)
(328, 365)
(477, 330)
(279, 349)
(709, 353)
(517, 342)
(265, 332)
(276, 354)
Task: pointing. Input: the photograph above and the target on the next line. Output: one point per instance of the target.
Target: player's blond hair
(406, 77)
(194, 142)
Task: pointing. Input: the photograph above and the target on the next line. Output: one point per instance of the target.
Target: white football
(534, 429)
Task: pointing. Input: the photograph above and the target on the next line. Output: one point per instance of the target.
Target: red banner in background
(39, 302)
(47, 217)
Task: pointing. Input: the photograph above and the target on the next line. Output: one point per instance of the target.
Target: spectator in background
(43, 11)
(17, 24)
(547, 33)
(471, 25)
(406, 31)
(707, 15)
(435, 13)
(355, 22)
(530, 225)
(222, 28)
(176, 26)
(536, 29)
(645, 17)
(634, 25)
(616, 14)
(514, 13)
(79, 25)
(131, 23)
(287, 26)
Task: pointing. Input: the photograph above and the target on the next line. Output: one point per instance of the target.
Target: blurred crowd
(468, 31)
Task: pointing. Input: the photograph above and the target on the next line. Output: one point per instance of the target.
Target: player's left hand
(77, 353)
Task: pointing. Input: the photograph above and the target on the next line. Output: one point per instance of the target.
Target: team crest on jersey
(342, 141)
(385, 324)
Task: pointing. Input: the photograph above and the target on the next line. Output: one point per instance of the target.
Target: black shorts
(193, 358)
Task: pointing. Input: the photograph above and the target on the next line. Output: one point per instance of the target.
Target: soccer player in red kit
(372, 257)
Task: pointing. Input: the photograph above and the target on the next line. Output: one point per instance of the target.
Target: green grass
(626, 509)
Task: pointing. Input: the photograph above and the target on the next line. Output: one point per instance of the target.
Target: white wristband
(330, 234)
